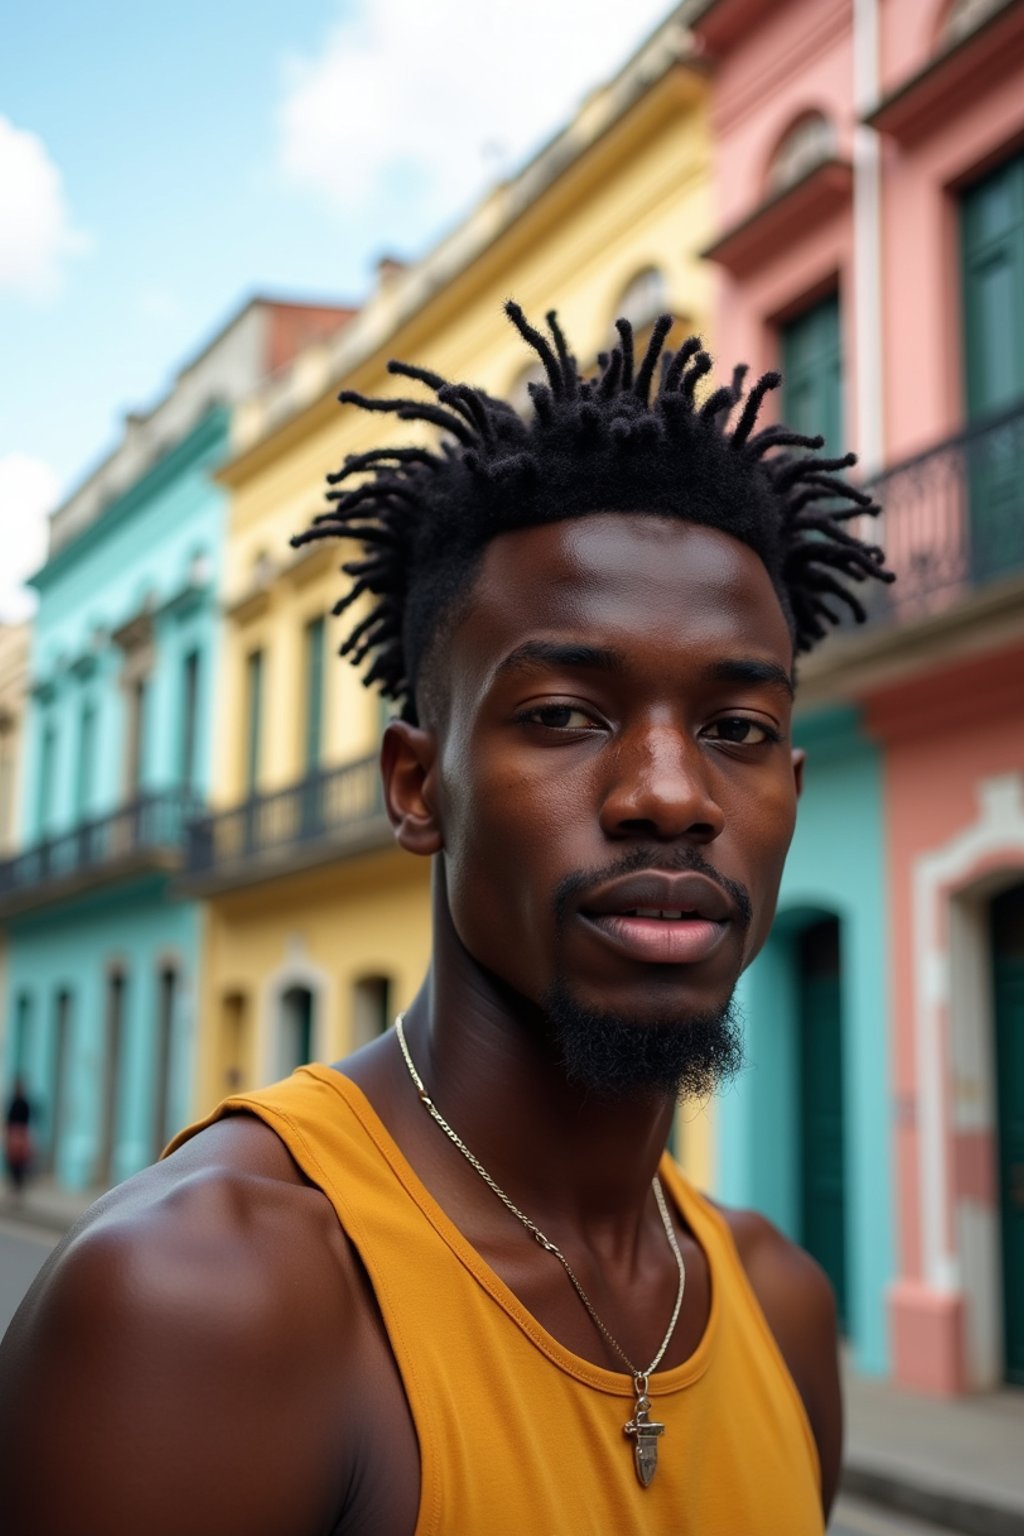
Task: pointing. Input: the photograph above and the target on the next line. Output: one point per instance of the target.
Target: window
(805, 145)
(964, 16)
(992, 255)
(992, 243)
(313, 667)
(59, 1107)
(234, 1040)
(47, 774)
(167, 988)
(295, 1030)
(371, 1008)
(22, 1033)
(519, 389)
(6, 782)
(812, 373)
(110, 1070)
(138, 702)
(189, 718)
(254, 719)
(84, 765)
(645, 298)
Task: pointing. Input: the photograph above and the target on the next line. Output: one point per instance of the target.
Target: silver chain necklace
(641, 1429)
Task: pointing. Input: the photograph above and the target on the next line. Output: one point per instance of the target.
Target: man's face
(617, 749)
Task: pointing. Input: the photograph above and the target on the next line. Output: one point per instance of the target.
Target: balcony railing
(332, 813)
(146, 833)
(952, 520)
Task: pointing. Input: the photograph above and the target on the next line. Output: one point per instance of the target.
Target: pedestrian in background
(18, 1138)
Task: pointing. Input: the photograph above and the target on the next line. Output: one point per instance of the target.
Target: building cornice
(201, 440)
(961, 73)
(825, 190)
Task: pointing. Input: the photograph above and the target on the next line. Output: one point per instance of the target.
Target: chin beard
(615, 1055)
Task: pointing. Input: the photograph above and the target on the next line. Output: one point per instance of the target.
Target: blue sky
(159, 164)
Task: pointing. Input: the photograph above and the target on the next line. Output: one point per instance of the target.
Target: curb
(964, 1512)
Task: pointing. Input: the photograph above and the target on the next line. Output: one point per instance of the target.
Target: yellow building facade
(317, 926)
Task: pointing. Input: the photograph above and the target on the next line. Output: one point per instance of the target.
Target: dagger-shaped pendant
(644, 1432)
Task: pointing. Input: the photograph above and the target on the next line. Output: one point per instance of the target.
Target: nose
(661, 788)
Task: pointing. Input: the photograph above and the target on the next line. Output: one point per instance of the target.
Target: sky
(160, 164)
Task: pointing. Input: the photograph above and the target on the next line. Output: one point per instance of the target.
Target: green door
(992, 256)
(822, 1161)
(812, 373)
(1008, 995)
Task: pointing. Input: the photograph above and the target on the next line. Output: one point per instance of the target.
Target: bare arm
(180, 1367)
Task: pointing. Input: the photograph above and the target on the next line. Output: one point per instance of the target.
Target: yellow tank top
(516, 1434)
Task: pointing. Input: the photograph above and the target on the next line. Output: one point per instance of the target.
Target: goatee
(613, 1055)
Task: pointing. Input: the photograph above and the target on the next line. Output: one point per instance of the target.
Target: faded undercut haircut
(631, 438)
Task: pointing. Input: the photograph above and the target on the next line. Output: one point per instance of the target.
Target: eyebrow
(748, 670)
(577, 656)
(569, 655)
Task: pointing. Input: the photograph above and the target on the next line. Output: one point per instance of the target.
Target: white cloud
(416, 107)
(36, 231)
(28, 490)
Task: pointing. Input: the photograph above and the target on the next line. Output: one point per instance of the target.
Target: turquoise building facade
(101, 956)
(102, 952)
(803, 1133)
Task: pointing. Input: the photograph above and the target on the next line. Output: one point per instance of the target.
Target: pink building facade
(870, 203)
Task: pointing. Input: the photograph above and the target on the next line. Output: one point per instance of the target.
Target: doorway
(163, 1129)
(110, 1070)
(295, 1030)
(371, 1009)
(822, 1154)
(58, 1106)
(1007, 930)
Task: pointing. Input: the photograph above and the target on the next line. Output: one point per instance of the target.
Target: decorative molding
(954, 1069)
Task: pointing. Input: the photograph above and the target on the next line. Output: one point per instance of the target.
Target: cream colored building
(14, 688)
(317, 926)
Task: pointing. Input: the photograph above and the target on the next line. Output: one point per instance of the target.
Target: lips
(661, 918)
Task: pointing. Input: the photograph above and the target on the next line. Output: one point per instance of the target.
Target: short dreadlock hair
(600, 444)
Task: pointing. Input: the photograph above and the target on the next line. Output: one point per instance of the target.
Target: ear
(408, 756)
(799, 758)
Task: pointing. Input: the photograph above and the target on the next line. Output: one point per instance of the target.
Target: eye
(558, 717)
(739, 731)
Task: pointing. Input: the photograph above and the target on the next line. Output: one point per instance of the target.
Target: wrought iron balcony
(327, 815)
(144, 835)
(952, 521)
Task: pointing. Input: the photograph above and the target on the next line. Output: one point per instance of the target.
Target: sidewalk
(44, 1204)
(959, 1461)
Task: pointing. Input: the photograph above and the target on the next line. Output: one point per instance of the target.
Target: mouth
(659, 917)
(664, 936)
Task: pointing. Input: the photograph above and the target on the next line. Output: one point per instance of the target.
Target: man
(454, 1285)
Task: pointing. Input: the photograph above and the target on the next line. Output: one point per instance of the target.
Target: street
(852, 1517)
(23, 1250)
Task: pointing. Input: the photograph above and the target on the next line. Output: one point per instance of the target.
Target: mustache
(672, 861)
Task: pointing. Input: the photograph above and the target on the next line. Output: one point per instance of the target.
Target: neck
(487, 1062)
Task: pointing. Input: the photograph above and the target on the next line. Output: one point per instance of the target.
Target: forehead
(655, 588)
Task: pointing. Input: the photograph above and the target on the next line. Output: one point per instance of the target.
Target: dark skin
(205, 1352)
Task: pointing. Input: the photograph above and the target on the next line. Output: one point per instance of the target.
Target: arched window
(644, 299)
(371, 1008)
(519, 390)
(963, 17)
(809, 141)
(294, 1030)
(234, 1041)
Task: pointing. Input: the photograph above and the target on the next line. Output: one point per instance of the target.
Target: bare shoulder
(797, 1300)
(190, 1315)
